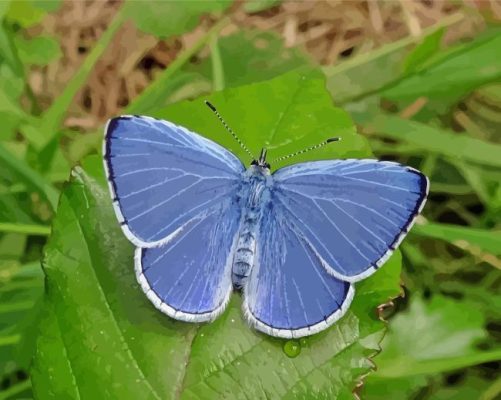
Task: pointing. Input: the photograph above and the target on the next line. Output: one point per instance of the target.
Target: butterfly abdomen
(246, 246)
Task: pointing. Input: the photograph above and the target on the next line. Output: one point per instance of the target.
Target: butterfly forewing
(354, 213)
(162, 176)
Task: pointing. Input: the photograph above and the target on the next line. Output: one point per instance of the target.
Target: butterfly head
(261, 161)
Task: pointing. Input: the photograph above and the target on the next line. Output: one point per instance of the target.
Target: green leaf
(28, 176)
(168, 18)
(40, 50)
(24, 13)
(483, 239)
(436, 140)
(21, 288)
(99, 327)
(354, 79)
(252, 56)
(293, 112)
(452, 75)
(252, 6)
(430, 337)
(423, 51)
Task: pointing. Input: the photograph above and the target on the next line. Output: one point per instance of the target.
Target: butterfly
(293, 241)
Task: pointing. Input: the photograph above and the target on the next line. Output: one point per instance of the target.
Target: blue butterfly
(294, 241)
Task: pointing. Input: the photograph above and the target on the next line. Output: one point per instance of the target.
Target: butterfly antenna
(243, 146)
(317, 146)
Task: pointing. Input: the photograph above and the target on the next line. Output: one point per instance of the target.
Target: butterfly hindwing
(289, 293)
(354, 213)
(162, 176)
(189, 278)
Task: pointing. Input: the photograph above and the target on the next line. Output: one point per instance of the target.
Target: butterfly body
(255, 196)
(295, 240)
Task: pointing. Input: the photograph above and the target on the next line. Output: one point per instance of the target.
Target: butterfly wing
(289, 293)
(163, 176)
(189, 278)
(354, 213)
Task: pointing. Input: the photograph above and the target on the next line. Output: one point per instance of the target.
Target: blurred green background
(421, 79)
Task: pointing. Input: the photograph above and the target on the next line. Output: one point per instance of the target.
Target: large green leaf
(285, 114)
(101, 338)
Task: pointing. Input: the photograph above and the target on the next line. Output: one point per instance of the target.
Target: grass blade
(15, 389)
(217, 64)
(54, 115)
(29, 176)
(486, 240)
(28, 229)
(437, 140)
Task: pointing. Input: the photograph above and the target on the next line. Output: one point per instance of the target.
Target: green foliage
(294, 112)
(253, 6)
(21, 288)
(450, 131)
(40, 50)
(452, 75)
(95, 311)
(428, 47)
(483, 239)
(436, 140)
(168, 18)
(430, 337)
(252, 56)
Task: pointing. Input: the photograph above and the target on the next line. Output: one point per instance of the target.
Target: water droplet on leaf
(292, 348)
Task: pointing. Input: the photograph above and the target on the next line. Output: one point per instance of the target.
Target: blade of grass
(474, 179)
(155, 93)
(9, 340)
(486, 240)
(15, 389)
(404, 369)
(18, 306)
(437, 140)
(493, 391)
(53, 117)
(217, 64)
(398, 48)
(38, 230)
(29, 176)
(20, 285)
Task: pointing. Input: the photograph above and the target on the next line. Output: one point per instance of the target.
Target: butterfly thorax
(255, 198)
